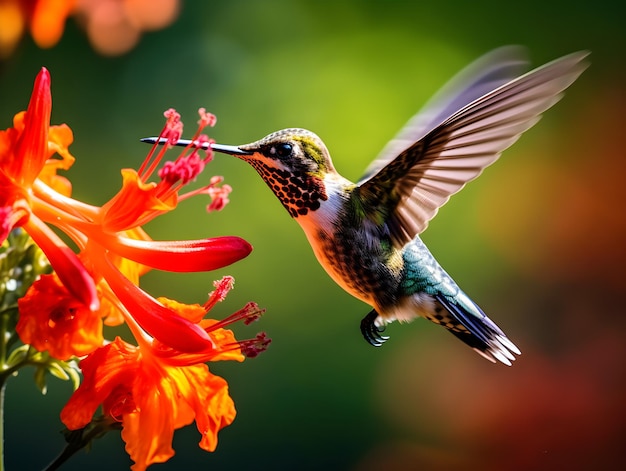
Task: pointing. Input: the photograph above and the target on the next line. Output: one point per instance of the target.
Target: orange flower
(45, 19)
(53, 320)
(114, 249)
(162, 383)
(150, 399)
(115, 26)
(25, 151)
(153, 389)
(112, 26)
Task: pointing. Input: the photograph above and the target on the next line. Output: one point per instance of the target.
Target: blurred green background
(537, 241)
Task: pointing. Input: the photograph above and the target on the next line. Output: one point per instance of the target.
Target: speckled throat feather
(298, 192)
(296, 179)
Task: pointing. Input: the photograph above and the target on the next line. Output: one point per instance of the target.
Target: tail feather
(475, 329)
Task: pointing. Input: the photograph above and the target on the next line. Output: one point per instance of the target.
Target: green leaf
(40, 379)
(56, 369)
(74, 374)
(17, 356)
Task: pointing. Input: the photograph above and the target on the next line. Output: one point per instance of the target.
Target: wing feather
(483, 75)
(423, 176)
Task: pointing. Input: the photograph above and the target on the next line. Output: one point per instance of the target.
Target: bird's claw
(371, 332)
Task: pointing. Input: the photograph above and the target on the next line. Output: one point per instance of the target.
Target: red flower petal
(160, 322)
(183, 255)
(32, 146)
(66, 263)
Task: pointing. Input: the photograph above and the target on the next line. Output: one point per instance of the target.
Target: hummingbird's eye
(282, 150)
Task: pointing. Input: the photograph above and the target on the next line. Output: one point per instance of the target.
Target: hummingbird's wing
(450, 145)
(485, 74)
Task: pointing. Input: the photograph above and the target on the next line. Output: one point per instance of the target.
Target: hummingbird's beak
(232, 150)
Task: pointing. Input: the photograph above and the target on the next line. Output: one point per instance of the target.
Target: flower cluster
(112, 26)
(161, 381)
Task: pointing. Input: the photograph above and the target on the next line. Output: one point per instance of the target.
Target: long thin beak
(232, 150)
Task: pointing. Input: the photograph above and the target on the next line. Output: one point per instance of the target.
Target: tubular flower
(152, 389)
(113, 249)
(25, 151)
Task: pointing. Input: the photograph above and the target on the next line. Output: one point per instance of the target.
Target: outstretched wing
(456, 138)
(485, 74)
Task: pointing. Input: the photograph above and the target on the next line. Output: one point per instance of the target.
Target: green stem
(3, 378)
(4, 339)
(2, 389)
(79, 439)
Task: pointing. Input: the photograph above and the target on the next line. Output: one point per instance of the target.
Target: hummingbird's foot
(371, 332)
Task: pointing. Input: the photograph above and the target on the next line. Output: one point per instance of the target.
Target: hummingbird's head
(293, 162)
(292, 150)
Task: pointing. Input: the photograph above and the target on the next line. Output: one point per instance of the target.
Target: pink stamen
(219, 195)
(253, 347)
(152, 160)
(206, 119)
(248, 314)
(172, 130)
(173, 126)
(222, 287)
(201, 141)
(184, 169)
(205, 190)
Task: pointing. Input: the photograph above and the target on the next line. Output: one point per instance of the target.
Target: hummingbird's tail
(433, 294)
(461, 316)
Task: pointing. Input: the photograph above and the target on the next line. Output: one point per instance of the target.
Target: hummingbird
(366, 234)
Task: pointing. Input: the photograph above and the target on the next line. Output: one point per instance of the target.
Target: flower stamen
(254, 347)
(250, 313)
(222, 287)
